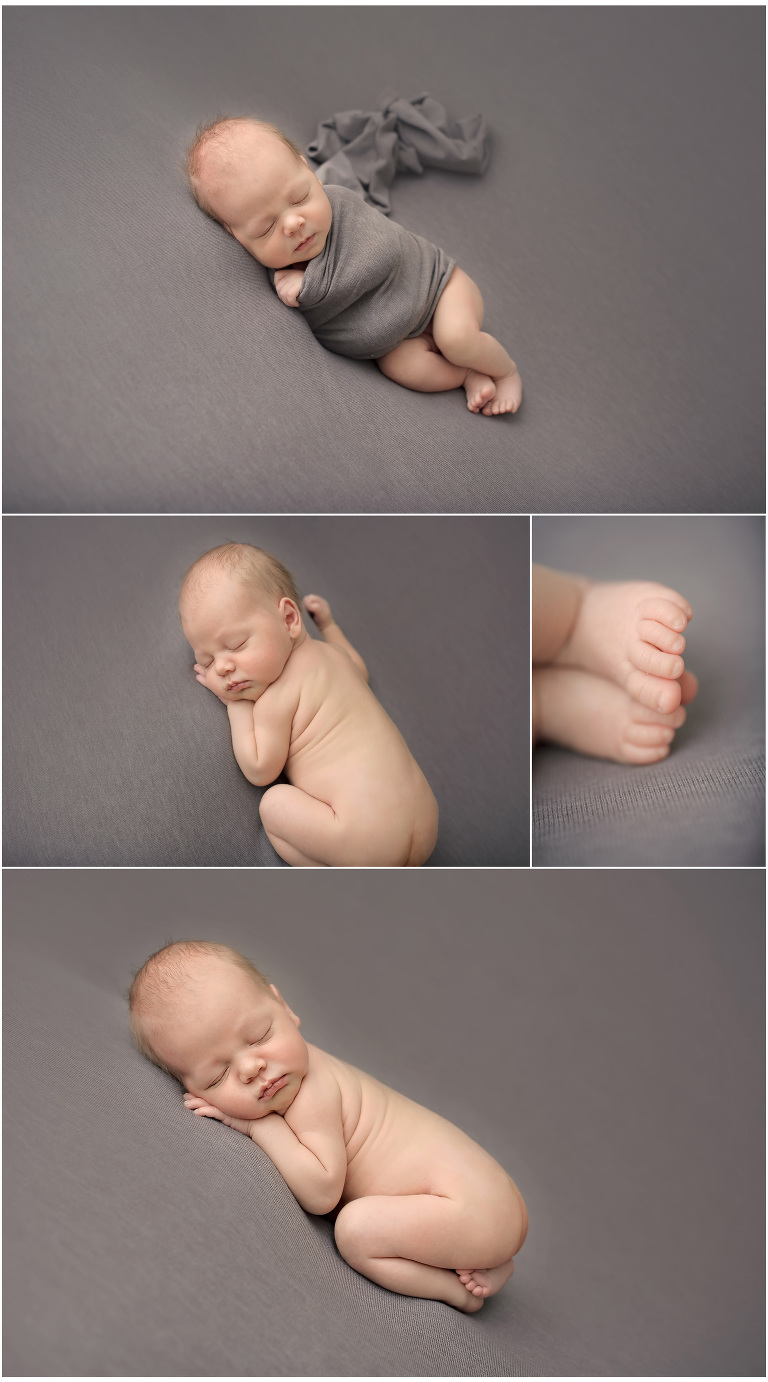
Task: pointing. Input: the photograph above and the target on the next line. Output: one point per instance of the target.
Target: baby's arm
(321, 613)
(288, 285)
(261, 737)
(307, 1145)
(309, 1151)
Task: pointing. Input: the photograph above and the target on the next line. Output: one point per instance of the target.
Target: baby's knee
(270, 807)
(455, 333)
(352, 1232)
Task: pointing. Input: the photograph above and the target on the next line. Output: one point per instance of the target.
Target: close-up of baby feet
(632, 632)
(592, 715)
(486, 1281)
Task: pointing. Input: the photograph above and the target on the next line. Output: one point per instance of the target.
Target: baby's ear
(290, 612)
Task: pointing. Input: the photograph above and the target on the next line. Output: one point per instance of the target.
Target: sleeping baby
(354, 795)
(422, 1209)
(368, 288)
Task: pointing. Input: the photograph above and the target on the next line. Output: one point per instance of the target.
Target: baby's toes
(664, 611)
(648, 735)
(645, 753)
(689, 686)
(660, 636)
(653, 692)
(646, 658)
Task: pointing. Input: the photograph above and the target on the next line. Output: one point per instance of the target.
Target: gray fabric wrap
(373, 285)
(364, 149)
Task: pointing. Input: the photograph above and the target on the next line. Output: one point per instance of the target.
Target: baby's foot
(632, 633)
(479, 388)
(594, 716)
(485, 1281)
(508, 395)
(319, 609)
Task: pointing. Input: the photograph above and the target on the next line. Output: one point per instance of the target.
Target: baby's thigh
(433, 1229)
(335, 838)
(292, 817)
(460, 304)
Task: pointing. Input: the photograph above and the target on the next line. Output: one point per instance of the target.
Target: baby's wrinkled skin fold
(422, 1209)
(355, 795)
(273, 204)
(609, 679)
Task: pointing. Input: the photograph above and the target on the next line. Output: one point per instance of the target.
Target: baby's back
(344, 748)
(397, 1147)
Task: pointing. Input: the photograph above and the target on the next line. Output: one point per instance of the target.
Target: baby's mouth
(273, 1086)
(236, 685)
(305, 243)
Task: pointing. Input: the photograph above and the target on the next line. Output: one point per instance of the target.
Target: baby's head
(205, 1014)
(251, 178)
(241, 613)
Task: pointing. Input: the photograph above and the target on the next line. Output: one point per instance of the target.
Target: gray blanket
(373, 285)
(364, 149)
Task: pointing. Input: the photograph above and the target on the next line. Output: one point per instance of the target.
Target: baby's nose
(251, 1065)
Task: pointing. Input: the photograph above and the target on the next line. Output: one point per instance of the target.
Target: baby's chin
(293, 262)
(279, 1103)
(250, 694)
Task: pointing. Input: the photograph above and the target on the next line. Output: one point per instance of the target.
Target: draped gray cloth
(373, 285)
(363, 150)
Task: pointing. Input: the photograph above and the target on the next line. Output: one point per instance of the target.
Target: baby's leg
(307, 832)
(594, 716)
(417, 364)
(411, 1243)
(303, 830)
(456, 325)
(556, 598)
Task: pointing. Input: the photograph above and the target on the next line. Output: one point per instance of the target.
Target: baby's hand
(319, 609)
(201, 677)
(205, 1110)
(288, 285)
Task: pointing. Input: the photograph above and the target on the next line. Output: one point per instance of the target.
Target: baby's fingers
(200, 1106)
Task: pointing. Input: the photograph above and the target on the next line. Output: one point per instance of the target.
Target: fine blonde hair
(239, 561)
(215, 141)
(160, 978)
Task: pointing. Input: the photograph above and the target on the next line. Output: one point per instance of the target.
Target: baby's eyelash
(218, 1080)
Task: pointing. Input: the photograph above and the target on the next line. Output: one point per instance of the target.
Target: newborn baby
(354, 794)
(368, 288)
(423, 1210)
(608, 677)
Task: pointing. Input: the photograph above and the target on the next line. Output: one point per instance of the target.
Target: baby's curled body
(420, 1207)
(421, 1201)
(356, 794)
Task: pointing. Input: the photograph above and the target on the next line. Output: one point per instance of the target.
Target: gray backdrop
(115, 755)
(600, 1033)
(617, 238)
(705, 804)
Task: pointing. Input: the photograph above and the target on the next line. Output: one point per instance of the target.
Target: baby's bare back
(343, 743)
(397, 1147)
